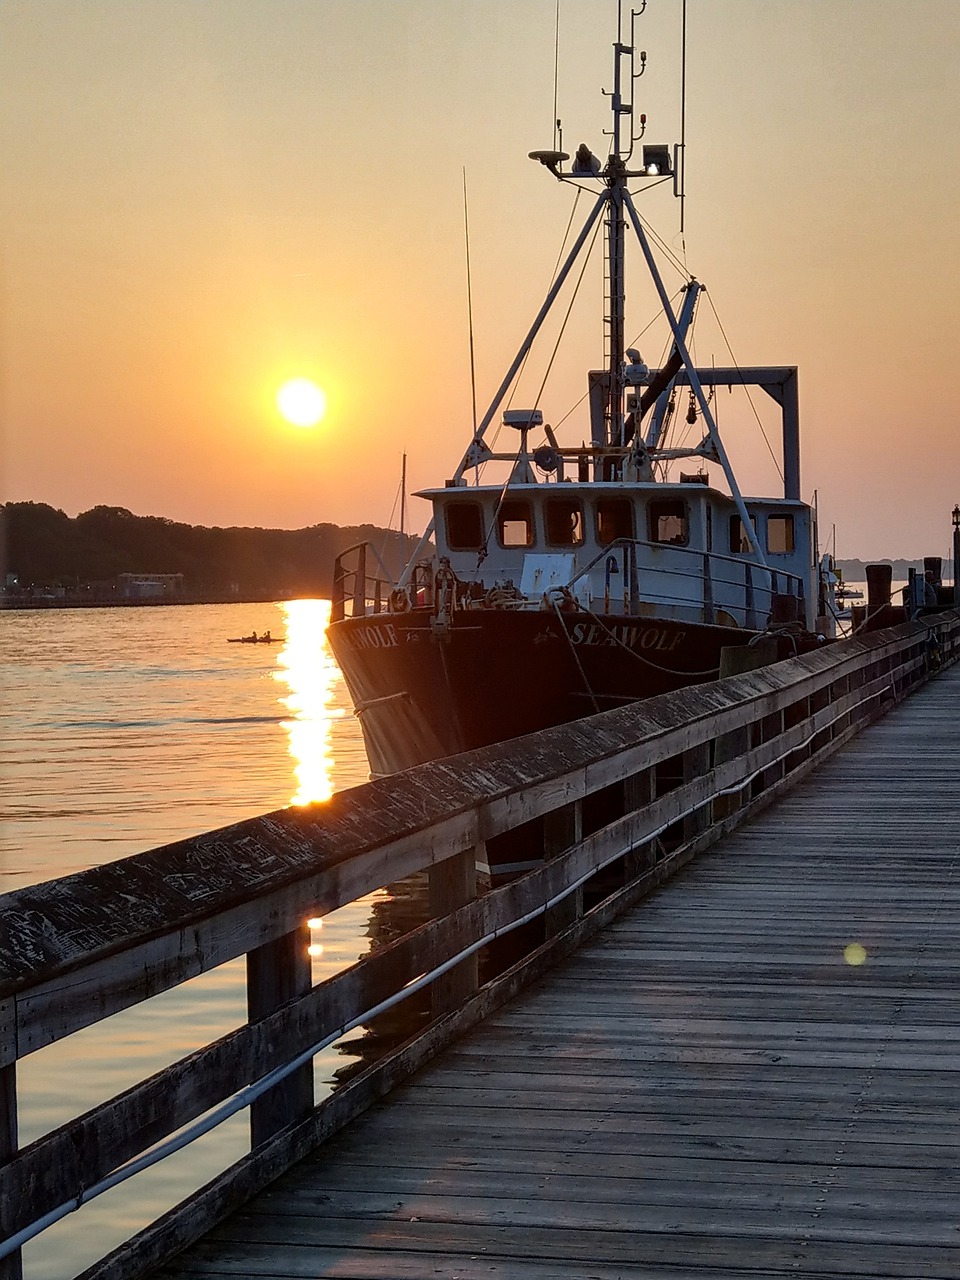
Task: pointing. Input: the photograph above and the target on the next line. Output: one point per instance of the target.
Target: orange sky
(203, 197)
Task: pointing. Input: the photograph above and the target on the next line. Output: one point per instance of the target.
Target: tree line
(44, 547)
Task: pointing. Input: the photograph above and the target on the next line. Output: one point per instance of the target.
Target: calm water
(124, 729)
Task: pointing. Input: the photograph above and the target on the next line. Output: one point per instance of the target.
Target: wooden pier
(752, 1072)
(710, 1088)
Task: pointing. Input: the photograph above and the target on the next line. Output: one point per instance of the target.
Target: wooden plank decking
(707, 1091)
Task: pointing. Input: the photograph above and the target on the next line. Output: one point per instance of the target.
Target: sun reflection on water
(307, 668)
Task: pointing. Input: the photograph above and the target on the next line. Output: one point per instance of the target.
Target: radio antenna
(557, 143)
(473, 366)
(682, 178)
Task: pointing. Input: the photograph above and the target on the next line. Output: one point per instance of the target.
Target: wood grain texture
(76, 950)
(707, 1089)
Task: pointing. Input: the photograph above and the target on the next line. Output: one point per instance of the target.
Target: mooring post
(453, 883)
(11, 1267)
(277, 972)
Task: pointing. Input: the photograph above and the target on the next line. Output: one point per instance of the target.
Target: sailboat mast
(403, 510)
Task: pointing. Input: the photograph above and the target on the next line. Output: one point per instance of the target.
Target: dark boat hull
(425, 689)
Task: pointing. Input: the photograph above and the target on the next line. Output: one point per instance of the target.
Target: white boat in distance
(596, 573)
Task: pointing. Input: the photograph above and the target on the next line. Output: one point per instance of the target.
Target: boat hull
(424, 689)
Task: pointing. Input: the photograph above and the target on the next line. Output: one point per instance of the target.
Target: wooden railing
(612, 805)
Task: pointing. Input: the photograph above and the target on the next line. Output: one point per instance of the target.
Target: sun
(301, 402)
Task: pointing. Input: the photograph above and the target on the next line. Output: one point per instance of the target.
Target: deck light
(656, 161)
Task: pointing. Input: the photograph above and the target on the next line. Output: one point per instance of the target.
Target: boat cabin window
(669, 521)
(739, 542)
(614, 520)
(564, 519)
(515, 524)
(464, 526)
(780, 535)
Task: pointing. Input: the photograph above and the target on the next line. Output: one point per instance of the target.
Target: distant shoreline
(42, 605)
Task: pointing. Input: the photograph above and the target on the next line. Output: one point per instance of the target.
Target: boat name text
(382, 636)
(632, 637)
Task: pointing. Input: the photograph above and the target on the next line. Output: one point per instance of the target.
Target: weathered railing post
(453, 883)
(696, 764)
(562, 829)
(11, 1267)
(277, 972)
(639, 790)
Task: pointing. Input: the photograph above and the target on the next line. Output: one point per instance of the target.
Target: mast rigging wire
(683, 120)
(663, 246)
(633, 343)
(536, 404)
(736, 365)
(553, 276)
(573, 298)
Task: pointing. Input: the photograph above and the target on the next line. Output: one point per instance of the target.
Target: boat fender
(399, 601)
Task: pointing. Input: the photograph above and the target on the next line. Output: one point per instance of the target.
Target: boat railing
(363, 585)
(723, 582)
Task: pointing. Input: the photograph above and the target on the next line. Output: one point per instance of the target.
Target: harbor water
(124, 729)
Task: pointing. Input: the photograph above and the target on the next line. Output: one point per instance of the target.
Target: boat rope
(576, 657)
(673, 671)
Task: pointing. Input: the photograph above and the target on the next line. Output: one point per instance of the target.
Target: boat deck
(710, 1090)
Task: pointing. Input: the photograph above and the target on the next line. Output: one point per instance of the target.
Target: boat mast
(615, 228)
(657, 164)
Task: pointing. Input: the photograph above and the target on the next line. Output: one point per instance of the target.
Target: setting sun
(301, 402)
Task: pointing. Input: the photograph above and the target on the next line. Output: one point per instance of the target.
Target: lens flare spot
(854, 953)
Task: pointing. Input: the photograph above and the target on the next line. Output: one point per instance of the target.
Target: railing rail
(362, 591)
(615, 804)
(707, 570)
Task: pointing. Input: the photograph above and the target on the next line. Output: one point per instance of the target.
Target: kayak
(254, 640)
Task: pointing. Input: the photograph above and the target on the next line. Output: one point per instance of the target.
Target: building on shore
(150, 586)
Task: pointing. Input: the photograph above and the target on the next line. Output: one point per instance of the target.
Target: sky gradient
(202, 198)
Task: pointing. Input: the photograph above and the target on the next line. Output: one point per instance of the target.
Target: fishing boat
(590, 574)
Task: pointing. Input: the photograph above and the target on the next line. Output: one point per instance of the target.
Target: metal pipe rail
(700, 568)
(613, 804)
